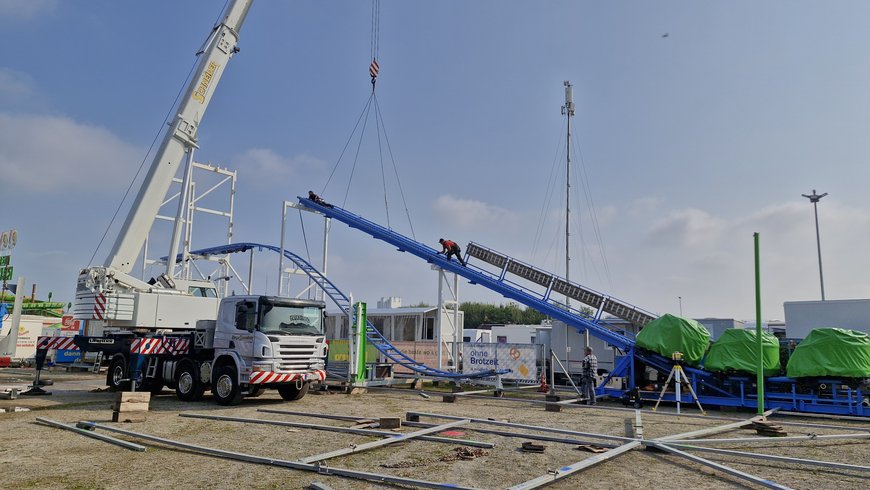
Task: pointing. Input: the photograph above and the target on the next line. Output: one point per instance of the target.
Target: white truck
(256, 342)
(177, 329)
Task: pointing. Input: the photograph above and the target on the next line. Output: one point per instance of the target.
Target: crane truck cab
(264, 342)
(255, 343)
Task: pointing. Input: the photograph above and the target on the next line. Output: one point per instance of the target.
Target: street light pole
(680, 298)
(815, 198)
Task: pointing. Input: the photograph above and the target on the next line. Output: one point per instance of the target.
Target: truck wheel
(188, 388)
(255, 392)
(291, 393)
(118, 372)
(225, 386)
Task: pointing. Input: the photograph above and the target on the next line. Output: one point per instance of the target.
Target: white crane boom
(181, 137)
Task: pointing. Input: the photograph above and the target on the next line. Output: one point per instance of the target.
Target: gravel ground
(36, 456)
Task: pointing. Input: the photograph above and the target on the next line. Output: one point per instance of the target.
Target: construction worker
(590, 369)
(317, 199)
(450, 248)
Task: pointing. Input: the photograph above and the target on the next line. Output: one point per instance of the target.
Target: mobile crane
(176, 332)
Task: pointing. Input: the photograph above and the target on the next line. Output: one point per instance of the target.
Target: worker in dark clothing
(450, 248)
(590, 369)
(319, 200)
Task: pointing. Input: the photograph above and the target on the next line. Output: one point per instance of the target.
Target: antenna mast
(568, 112)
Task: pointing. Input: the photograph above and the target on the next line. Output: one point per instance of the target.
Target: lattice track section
(560, 285)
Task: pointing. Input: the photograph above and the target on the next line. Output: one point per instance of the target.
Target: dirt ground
(33, 455)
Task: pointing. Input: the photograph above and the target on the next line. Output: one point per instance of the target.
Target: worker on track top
(449, 248)
(317, 199)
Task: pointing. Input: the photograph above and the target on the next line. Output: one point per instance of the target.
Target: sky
(697, 125)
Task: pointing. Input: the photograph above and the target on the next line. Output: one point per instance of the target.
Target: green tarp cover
(737, 350)
(831, 352)
(670, 333)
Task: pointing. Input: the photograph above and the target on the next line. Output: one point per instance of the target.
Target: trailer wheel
(118, 372)
(291, 393)
(225, 386)
(188, 388)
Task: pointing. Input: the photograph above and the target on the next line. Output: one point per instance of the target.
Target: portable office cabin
(401, 324)
(801, 317)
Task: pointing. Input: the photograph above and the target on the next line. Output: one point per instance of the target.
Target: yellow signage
(199, 94)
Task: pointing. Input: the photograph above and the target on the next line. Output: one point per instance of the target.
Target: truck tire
(118, 371)
(291, 393)
(188, 387)
(225, 386)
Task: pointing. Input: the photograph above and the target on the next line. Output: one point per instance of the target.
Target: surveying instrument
(679, 377)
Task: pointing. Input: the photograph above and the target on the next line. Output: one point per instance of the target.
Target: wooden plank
(390, 423)
(134, 396)
(131, 407)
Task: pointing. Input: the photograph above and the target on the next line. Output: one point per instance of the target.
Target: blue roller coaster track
(819, 395)
(343, 302)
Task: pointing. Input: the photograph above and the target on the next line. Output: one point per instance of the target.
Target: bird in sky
(665, 34)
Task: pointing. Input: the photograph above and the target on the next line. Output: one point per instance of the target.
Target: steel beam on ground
(811, 437)
(823, 426)
(710, 430)
(348, 418)
(534, 437)
(332, 428)
(569, 470)
(543, 402)
(383, 442)
(440, 439)
(92, 435)
(619, 409)
(295, 465)
(824, 416)
(520, 426)
(720, 467)
(771, 457)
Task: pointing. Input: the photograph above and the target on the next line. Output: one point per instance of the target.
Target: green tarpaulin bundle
(670, 333)
(831, 352)
(737, 350)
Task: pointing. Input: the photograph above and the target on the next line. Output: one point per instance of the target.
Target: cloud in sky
(265, 165)
(469, 214)
(26, 9)
(41, 154)
(14, 84)
(708, 259)
(686, 227)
